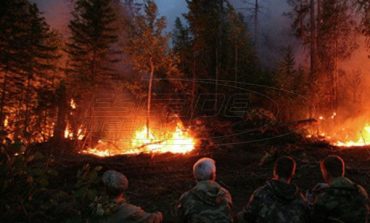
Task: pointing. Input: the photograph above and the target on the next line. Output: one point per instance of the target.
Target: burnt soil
(156, 182)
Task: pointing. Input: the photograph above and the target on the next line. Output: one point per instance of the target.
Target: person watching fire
(278, 201)
(207, 202)
(338, 199)
(118, 210)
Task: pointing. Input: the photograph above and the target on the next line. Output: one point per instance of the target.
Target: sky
(57, 12)
(274, 32)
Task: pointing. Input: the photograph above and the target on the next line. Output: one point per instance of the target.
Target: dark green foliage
(291, 84)
(215, 50)
(28, 54)
(330, 31)
(92, 57)
(90, 47)
(33, 190)
(181, 41)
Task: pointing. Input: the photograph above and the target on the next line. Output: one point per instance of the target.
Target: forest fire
(177, 141)
(69, 134)
(362, 139)
(342, 134)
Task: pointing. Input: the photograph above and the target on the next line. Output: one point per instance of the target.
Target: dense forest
(117, 66)
(123, 46)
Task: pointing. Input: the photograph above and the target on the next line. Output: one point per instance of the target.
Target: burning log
(300, 123)
(150, 143)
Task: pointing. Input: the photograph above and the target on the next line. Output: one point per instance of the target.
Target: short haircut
(285, 167)
(204, 169)
(334, 165)
(115, 182)
(114, 192)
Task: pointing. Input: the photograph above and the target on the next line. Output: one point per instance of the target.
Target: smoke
(56, 12)
(273, 32)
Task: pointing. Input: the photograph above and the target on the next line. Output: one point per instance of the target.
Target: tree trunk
(61, 114)
(192, 103)
(236, 65)
(216, 78)
(2, 102)
(149, 104)
(312, 52)
(335, 76)
(218, 47)
(318, 20)
(256, 12)
(27, 103)
(313, 39)
(317, 31)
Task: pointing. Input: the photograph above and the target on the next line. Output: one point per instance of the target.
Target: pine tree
(27, 58)
(363, 9)
(40, 57)
(220, 47)
(205, 19)
(182, 46)
(181, 41)
(90, 47)
(337, 42)
(13, 35)
(291, 87)
(92, 55)
(286, 70)
(328, 27)
(242, 56)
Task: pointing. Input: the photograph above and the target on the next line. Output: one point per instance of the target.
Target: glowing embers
(176, 141)
(69, 134)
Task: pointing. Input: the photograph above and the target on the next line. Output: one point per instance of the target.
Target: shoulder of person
(262, 190)
(227, 195)
(362, 191)
(184, 197)
(320, 187)
(129, 208)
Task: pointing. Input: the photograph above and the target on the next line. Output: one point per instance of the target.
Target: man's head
(332, 167)
(284, 168)
(115, 182)
(204, 169)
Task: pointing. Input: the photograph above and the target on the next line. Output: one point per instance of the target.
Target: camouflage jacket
(343, 201)
(111, 212)
(207, 202)
(275, 202)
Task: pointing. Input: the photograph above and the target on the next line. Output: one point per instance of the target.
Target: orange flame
(73, 104)
(178, 141)
(68, 133)
(351, 134)
(363, 139)
(6, 122)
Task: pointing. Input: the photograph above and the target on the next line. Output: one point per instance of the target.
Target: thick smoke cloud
(56, 12)
(274, 30)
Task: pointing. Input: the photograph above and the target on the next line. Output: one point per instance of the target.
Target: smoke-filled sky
(274, 28)
(57, 12)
